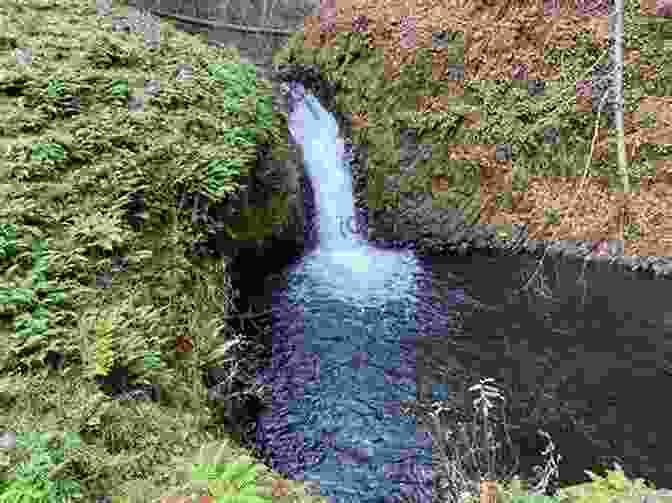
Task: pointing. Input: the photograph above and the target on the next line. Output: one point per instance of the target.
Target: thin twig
(249, 314)
(576, 195)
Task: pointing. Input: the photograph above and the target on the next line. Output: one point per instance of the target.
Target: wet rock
(272, 175)
(575, 249)
(554, 249)
(117, 384)
(663, 268)
(628, 262)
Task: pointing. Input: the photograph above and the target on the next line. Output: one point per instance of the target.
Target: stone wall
(256, 28)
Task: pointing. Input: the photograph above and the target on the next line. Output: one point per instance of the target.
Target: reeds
(458, 472)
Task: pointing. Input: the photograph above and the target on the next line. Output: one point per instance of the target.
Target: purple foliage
(664, 8)
(592, 7)
(360, 24)
(519, 72)
(407, 32)
(327, 16)
(584, 88)
(551, 7)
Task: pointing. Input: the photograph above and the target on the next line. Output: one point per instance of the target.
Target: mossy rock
(508, 113)
(256, 224)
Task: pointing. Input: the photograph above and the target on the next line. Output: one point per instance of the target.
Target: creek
(358, 331)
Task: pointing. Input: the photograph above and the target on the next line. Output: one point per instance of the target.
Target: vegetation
(105, 125)
(526, 118)
(458, 464)
(85, 292)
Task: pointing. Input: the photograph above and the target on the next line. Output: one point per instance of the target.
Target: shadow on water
(357, 332)
(584, 354)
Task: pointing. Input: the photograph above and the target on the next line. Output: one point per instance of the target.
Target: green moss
(69, 174)
(508, 115)
(65, 178)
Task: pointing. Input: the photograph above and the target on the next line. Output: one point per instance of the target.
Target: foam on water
(338, 357)
(343, 260)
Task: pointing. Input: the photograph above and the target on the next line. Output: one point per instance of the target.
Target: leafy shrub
(614, 488)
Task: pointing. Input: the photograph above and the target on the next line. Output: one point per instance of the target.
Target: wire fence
(209, 17)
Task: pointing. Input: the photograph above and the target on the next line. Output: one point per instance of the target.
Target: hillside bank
(137, 162)
(469, 130)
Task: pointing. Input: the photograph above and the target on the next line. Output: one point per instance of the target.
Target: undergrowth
(73, 442)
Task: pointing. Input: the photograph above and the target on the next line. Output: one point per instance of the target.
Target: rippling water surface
(343, 348)
(357, 330)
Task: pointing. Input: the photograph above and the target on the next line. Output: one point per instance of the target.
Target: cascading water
(343, 355)
(349, 320)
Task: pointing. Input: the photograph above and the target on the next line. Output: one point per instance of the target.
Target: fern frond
(104, 352)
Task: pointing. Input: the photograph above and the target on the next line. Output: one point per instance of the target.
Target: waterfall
(341, 352)
(343, 258)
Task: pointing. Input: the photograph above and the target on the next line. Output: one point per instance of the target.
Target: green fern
(234, 482)
(533, 498)
(604, 490)
(104, 352)
(23, 491)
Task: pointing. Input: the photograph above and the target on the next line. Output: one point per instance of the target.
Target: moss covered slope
(103, 124)
(505, 105)
(102, 132)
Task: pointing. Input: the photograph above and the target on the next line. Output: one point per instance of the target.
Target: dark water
(585, 354)
(357, 331)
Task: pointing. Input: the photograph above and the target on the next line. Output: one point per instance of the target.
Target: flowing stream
(357, 330)
(339, 360)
